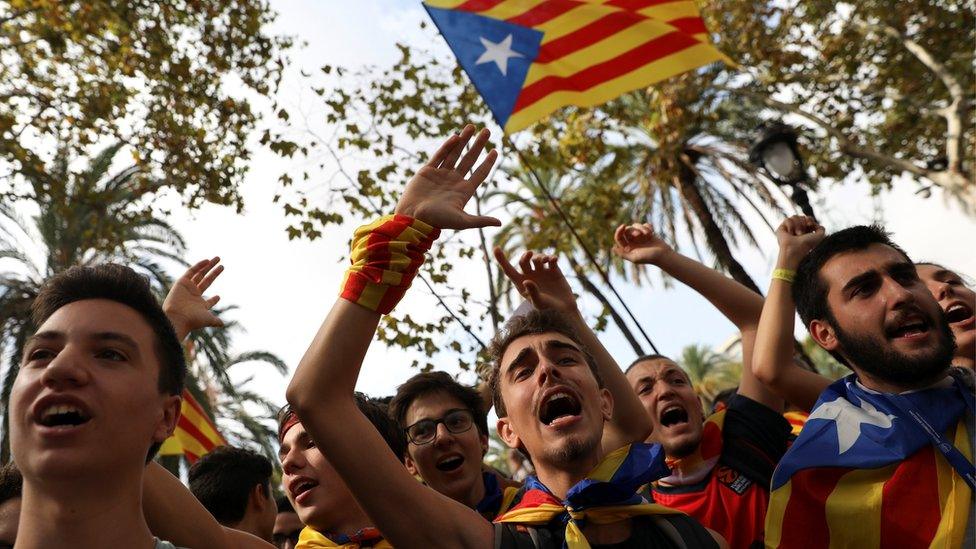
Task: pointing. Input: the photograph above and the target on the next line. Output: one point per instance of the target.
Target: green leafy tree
(710, 372)
(161, 77)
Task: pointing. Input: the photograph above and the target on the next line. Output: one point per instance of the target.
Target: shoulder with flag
(528, 58)
(877, 469)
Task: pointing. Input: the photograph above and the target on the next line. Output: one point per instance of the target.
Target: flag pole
(586, 250)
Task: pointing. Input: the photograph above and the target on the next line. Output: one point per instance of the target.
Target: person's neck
(559, 478)
(473, 495)
(348, 523)
(250, 523)
(87, 513)
(883, 386)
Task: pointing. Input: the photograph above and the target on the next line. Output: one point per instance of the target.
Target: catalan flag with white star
(864, 473)
(528, 58)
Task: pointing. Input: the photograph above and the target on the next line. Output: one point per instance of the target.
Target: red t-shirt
(733, 497)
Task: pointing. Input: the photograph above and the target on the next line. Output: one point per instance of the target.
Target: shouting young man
(885, 459)
(721, 465)
(555, 409)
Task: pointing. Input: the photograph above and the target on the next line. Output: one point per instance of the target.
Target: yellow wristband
(786, 275)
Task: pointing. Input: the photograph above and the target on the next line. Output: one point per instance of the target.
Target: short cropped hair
(426, 383)
(644, 358)
(809, 288)
(535, 322)
(11, 482)
(120, 284)
(223, 480)
(375, 412)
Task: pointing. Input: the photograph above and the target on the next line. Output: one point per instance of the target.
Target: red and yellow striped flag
(530, 57)
(195, 433)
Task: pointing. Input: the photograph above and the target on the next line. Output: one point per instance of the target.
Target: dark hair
(223, 480)
(121, 284)
(535, 322)
(645, 358)
(810, 290)
(375, 412)
(284, 504)
(426, 383)
(11, 482)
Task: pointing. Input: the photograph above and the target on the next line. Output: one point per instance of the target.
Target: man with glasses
(438, 414)
(287, 525)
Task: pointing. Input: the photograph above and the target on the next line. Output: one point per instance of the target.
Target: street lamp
(776, 152)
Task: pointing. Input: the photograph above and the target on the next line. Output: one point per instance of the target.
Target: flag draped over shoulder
(528, 58)
(864, 473)
(195, 433)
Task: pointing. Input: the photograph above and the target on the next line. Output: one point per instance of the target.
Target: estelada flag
(864, 473)
(195, 433)
(528, 58)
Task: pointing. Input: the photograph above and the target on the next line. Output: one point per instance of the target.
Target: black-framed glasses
(456, 421)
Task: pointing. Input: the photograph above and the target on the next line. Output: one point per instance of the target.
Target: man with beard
(885, 459)
(721, 465)
(557, 416)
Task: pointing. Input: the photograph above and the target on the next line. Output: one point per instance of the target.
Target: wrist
(788, 259)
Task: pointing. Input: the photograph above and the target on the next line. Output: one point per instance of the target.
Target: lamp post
(775, 151)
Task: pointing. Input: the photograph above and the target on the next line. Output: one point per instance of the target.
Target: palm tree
(710, 372)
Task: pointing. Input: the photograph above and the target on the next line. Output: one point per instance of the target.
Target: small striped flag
(195, 434)
(528, 58)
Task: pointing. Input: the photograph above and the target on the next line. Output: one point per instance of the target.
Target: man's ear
(410, 464)
(824, 334)
(606, 404)
(259, 497)
(171, 414)
(484, 444)
(507, 434)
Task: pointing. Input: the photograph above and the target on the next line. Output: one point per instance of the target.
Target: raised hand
(638, 243)
(540, 281)
(797, 235)
(439, 191)
(185, 305)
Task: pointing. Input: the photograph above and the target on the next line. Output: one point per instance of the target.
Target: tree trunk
(713, 234)
(594, 290)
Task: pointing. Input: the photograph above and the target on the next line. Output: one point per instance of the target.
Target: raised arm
(174, 514)
(185, 305)
(321, 391)
(544, 285)
(638, 243)
(773, 356)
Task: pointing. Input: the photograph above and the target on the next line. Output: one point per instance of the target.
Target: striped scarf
(367, 537)
(607, 495)
(386, 255)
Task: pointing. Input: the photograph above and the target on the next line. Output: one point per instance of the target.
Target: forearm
(772, 361)
(630, 422)
(331, 365)
(174, 514)
(179, 325)
(739, 304)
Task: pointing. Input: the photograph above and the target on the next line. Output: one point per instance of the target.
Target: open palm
(185, 305)
(438, 192)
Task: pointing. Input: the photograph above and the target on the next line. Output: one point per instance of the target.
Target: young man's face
(451, 462)
(315, 489)
(287, 528)
(667, 395)
(886, 322)
(556, 409)
(87, 396)
(958, 302)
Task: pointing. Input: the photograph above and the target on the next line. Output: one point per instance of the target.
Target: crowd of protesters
(602, 457)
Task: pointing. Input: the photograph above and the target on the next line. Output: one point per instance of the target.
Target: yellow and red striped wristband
(386, 255)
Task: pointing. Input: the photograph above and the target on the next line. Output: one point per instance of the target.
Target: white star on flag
(848, 419)
(498, 53)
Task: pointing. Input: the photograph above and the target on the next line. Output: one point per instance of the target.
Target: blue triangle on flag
(496, 54)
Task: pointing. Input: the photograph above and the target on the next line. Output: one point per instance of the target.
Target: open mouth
(64, 416)
(302, 486)
(559, 405)
(673, 415)
(908, 327)
(958, 313)
(450, 463)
